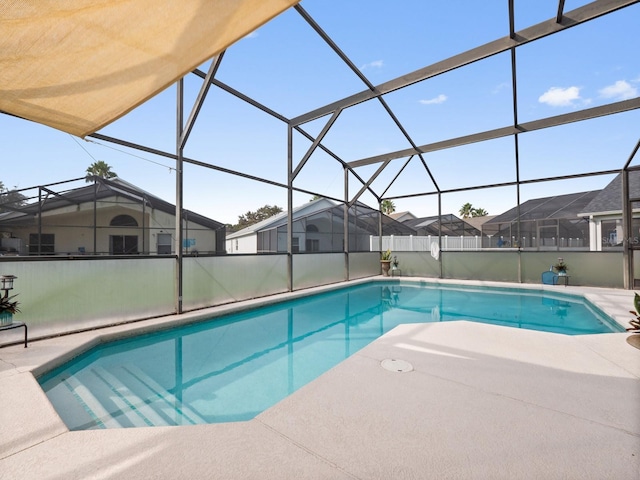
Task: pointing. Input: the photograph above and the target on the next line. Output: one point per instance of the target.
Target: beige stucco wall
(73, 228)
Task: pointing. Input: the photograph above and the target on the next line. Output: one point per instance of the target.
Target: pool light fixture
(6, 283)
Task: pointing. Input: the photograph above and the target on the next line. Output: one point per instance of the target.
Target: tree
(100, 169)
(315, 197)
(251, 218)
(388, 207)
(466, 210)
(479, 212)
(10, 198)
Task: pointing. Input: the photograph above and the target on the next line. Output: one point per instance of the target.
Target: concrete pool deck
(481, 401)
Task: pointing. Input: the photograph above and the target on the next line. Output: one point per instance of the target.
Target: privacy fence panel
(364, 264)
(59, 295)
(313, 269)
(209, 281)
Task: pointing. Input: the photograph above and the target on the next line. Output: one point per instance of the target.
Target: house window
(123, 221)
(164, 244)
(313, 245)
(295, 245)
(45, 246)
(123, 244)
(236, 244)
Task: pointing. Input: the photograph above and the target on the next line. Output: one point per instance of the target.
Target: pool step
(139, 400)
(100, 415)
(136, 409)
(168, 403)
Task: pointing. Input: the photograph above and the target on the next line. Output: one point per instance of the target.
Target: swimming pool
(234, 367)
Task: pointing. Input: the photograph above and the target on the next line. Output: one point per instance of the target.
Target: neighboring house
(402, 216)
(449, 225)
(604, 213)
(109, 217)
(545, 223)
(477, 222)
(318, 226)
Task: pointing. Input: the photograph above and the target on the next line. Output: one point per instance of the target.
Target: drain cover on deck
(395, 365)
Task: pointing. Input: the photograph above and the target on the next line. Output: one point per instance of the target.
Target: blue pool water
(232, 368)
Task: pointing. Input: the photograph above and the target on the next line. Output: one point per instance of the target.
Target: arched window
(311, 228)
(123, 221)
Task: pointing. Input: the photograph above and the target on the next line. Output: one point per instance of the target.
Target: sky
(287, 67)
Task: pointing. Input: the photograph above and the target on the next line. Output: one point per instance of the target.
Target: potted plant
(385, 261)
(635, 323)
(395, 262)
(8, 307)
(561, 267)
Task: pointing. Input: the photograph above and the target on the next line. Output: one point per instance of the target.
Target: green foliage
(10, 198)
(467, 210)
(561, 266)
(386, 256)
(635, 324)
(259, 215)
(479, 212)
(7, 305)
(100, 169)
(388, 207)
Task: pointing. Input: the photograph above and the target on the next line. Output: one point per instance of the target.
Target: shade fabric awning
(78, 65)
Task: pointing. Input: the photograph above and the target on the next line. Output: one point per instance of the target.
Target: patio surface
(482, 402)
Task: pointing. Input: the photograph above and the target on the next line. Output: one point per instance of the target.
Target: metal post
(289, 208)
(39, 221)
(95, 216)
(627, 253)
(179, 180)
(345, 221)
(440, 232)
(145, 251)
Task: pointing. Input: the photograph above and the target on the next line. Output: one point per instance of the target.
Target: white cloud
(500, 87)
(253, 34)
(620, 90)
(439, 99)
(560, 97)
(374, 64)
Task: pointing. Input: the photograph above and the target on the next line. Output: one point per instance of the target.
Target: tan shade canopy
(77, 65)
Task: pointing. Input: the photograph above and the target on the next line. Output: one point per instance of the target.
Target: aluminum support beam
(508, 184)
(315, 144)
(179, 185)
(289, 208)
(586, 114)
(575, 17)
(202, 94)
(627, 252)
(396, 177)
(366, 186)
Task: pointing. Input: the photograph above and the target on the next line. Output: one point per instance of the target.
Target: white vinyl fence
(414, 243)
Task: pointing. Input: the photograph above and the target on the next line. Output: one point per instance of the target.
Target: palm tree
(467, 210)
(479, 212)
(387, 207)
(100, 169)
